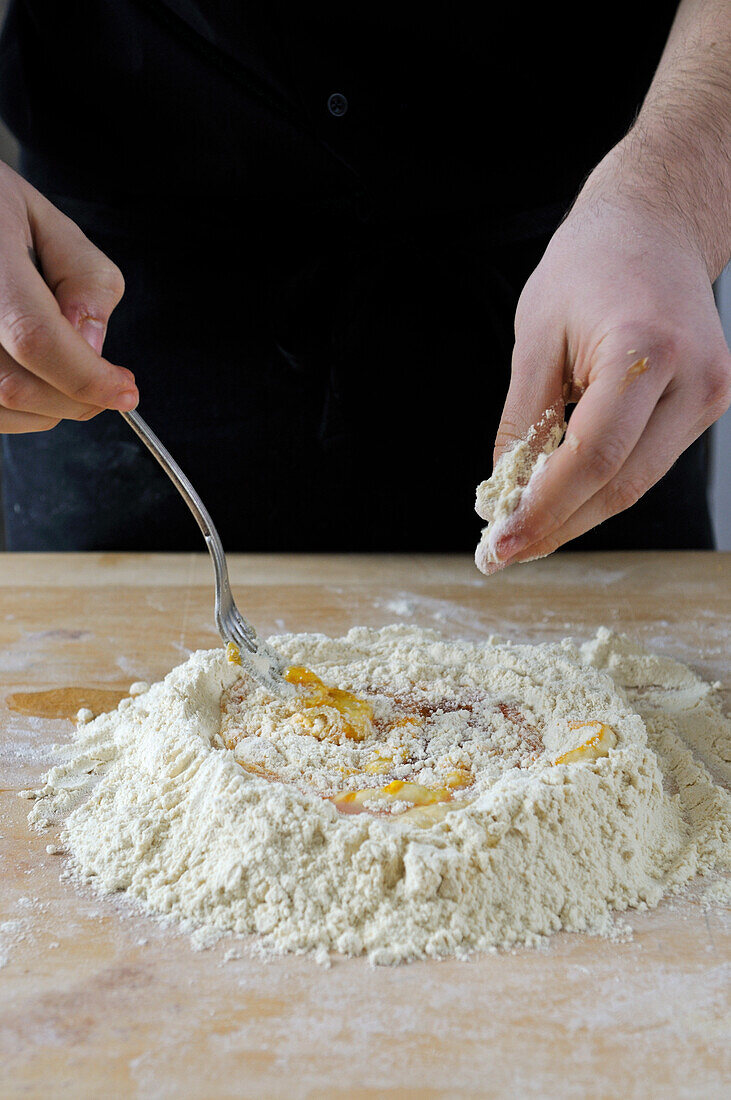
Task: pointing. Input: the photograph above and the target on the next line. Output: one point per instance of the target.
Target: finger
(86, 284)
(536, 384)
(15, 423)
(663, 441)
(603, 431)
(22, 391)
(37, 336)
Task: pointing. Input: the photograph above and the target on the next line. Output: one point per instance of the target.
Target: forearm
(676, 159)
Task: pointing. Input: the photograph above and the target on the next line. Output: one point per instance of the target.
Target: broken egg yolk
(356, 713)
(602, 739)
(416, 794)
(425, 805)
(311, 710)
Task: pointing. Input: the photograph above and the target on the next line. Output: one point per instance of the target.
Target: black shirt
(324, 214)
(485, 108)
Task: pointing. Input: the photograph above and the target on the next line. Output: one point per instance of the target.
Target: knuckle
(547, 546)
(552, 518)
(87, 393)
(602, 460)
(661, 343)
(27, 337)
(545, 519)
(622, 494)
(14, 390)
(717, 388)
(95, 292)
(509, 433)
(109, 279)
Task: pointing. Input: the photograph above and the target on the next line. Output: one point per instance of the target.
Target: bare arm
(677, 156)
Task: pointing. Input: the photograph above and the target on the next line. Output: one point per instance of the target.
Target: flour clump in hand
(512, 479)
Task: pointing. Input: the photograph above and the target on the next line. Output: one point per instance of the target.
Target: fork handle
(171, 468)
(265, 664)
(186, 490)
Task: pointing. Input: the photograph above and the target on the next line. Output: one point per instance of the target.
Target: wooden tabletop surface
(99, 1000)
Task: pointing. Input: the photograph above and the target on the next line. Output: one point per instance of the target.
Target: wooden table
(97, 1000)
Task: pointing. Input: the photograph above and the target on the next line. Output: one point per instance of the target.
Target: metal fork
(258, 658)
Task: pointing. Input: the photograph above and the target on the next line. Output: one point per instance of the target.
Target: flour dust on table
(414, 797)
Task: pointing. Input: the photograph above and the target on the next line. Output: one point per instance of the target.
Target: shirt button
(337, 104)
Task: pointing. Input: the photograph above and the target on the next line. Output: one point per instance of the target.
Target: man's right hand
(57, 292)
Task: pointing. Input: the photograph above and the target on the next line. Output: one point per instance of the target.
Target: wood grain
(98, 1000)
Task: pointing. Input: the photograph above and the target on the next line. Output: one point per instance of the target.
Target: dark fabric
(459, 109)
(316, 400)
(318, 308)
(345, 398)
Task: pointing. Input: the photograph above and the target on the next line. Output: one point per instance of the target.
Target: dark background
(721, 479)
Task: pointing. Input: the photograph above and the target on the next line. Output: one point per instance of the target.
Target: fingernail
(125, 401)
(93, 332)
(493, 567)
(509, 545)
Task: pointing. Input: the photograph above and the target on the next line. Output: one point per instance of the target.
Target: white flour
(248, 839)
(514, 476)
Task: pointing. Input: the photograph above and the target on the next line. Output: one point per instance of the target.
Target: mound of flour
(154, 803)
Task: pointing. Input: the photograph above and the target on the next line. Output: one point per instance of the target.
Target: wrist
(673, 184)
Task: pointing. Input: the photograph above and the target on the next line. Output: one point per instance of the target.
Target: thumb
(86, 284)
(536, 386)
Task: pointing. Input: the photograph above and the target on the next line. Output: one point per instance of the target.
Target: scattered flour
(214, 804)
(19, 930)
(400, 606)
(499, 496)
